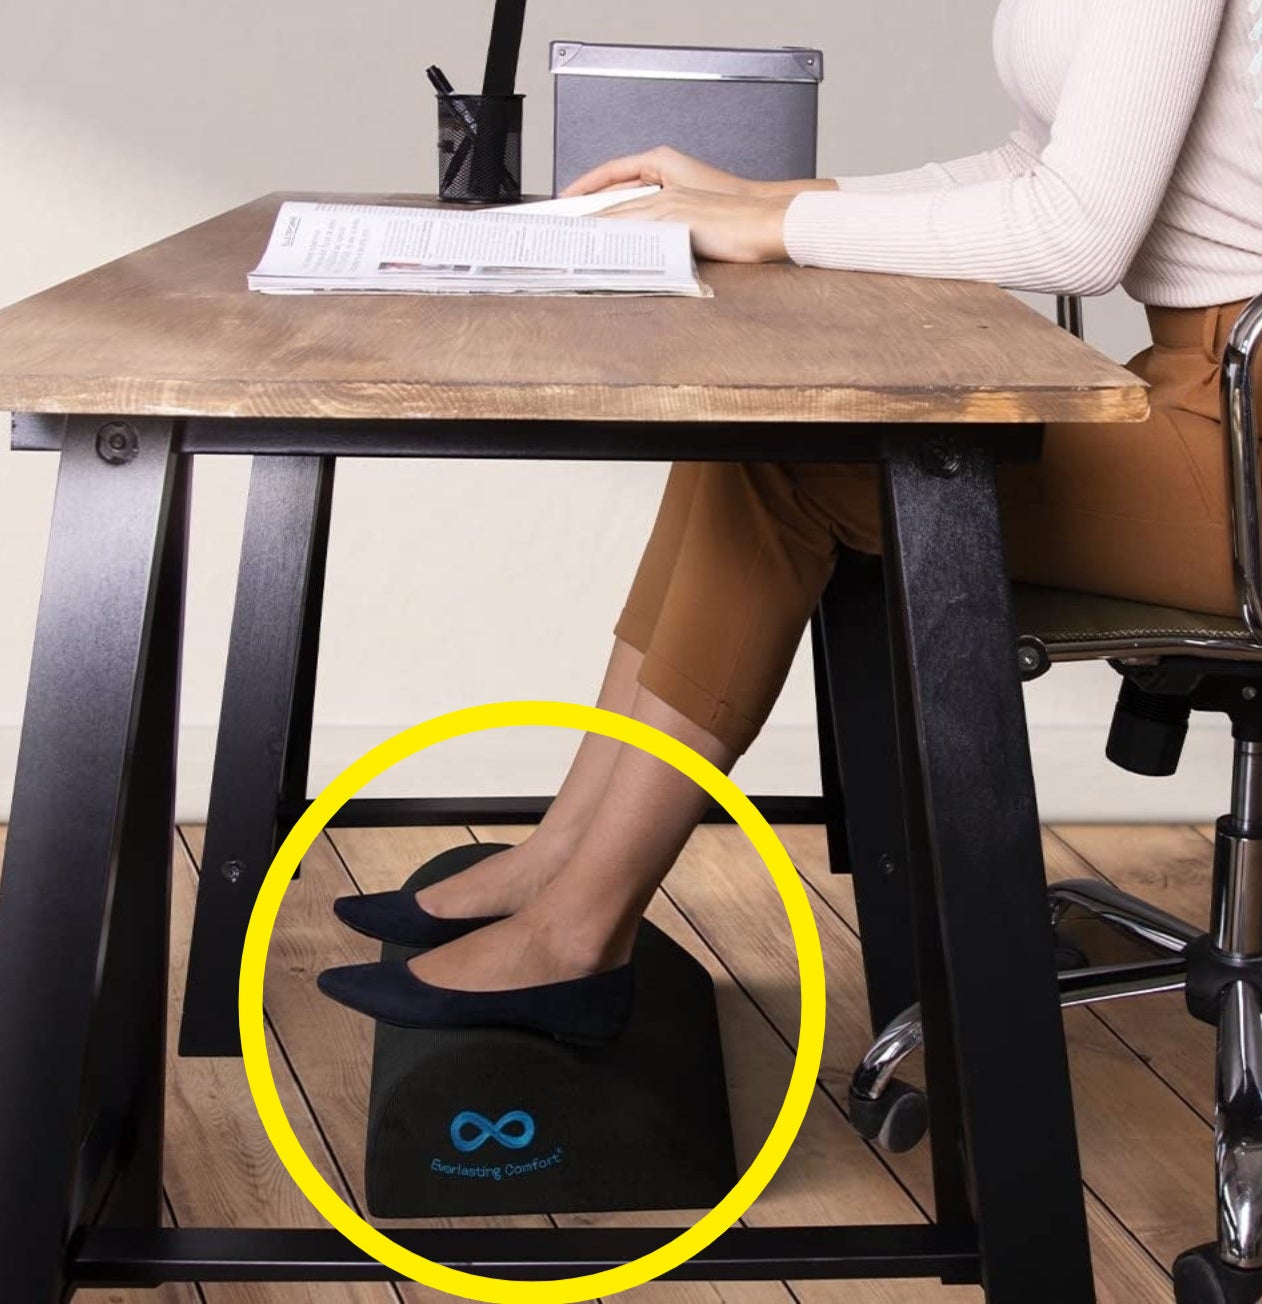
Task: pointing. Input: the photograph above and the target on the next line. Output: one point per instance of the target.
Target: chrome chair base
(1172, 663)
(1223, 985)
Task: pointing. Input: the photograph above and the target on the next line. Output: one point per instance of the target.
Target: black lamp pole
(500, 80)
(502, 54)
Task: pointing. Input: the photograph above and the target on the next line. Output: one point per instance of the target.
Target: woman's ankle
(503, 884)
(583, 941)
(554, 839)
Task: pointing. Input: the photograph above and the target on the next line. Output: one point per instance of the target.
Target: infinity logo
(522, 1135)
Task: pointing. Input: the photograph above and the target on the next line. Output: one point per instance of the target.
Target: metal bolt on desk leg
(943, 457)
(117, 443)
(232, 870)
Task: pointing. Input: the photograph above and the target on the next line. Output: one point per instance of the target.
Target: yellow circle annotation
(788, 1122)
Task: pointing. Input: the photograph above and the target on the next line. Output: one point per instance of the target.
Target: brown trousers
(741, 552)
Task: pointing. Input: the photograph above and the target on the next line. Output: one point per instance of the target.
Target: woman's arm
(739, 221)
(1073, 220)
(1019, 153)
(670, 168)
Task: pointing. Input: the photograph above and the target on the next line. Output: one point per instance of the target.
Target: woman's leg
(503, 883)
(584, 919)
(1137, 511)
(752, 561)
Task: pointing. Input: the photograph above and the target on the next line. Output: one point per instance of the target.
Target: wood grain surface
(1143, 1070)
(172, 330)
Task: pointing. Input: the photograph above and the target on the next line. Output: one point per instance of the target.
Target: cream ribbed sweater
(1138, 160)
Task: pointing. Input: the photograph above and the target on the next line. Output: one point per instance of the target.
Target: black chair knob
(1148, 730)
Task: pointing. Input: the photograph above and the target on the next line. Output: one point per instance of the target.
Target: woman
(1138, 160)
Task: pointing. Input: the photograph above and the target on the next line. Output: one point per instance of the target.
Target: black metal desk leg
(856, 656)
(952, 1196)
(264, 729)
(835, 825)
(129, 1036)
(296, 775)
(83, 818)
(947, 583)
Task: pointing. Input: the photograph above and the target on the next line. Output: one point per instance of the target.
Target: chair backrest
(1240, 422)
(1069, 314)
(1078, 626)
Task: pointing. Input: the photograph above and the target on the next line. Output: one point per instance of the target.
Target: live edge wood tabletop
(172, 331)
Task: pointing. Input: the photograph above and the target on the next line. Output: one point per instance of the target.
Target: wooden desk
(171, 331)
(135, 368)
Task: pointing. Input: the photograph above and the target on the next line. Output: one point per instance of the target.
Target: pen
(438, 79)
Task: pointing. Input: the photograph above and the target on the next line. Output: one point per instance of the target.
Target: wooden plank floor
(1143, 1071)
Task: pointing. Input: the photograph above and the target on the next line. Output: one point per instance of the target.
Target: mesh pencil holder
(479, 148)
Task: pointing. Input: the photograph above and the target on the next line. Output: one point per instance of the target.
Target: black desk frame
(945, 819)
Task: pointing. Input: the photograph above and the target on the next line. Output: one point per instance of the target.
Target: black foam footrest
(486, 1121)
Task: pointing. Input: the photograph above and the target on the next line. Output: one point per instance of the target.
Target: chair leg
(889, 1111)
(1238, 1130)
(1230, 1272)
(1225, 989)
(894, 1114)
(1126, 913)
(1223, 976)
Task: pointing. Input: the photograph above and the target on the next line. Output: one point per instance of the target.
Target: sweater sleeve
(1072, 220)
(1016, 155)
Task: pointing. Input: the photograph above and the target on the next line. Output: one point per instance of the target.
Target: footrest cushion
(489, 1121)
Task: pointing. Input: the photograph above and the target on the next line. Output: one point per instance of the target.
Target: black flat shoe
(394, 917)
(583, 1010)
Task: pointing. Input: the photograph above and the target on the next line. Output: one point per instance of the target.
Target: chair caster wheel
(897, 1121)
(1201, 1277)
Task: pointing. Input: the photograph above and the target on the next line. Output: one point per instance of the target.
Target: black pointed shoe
(394, 917)
(586, 1011)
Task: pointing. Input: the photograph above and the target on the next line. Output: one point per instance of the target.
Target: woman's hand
(668, 168)
(664, 167)
(733, 220)
(728, 228)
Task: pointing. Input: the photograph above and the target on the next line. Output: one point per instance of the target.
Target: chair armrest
(1240, 424)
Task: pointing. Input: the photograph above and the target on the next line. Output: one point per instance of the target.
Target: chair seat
(1063, 618)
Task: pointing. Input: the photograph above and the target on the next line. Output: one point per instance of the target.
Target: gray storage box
(752, 112)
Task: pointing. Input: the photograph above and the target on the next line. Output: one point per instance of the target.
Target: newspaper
(367, 249)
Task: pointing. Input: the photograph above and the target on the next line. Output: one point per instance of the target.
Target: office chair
(1171, 663)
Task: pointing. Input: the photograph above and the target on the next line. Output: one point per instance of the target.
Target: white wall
(449, 584)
